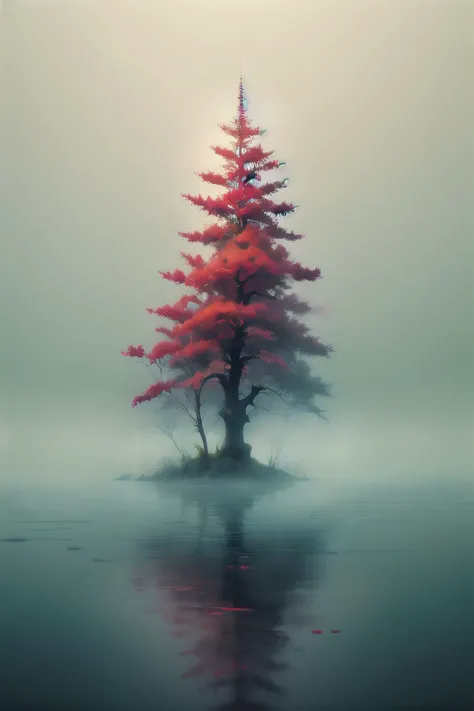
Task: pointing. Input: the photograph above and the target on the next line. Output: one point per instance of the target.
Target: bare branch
(247, 358)
(170, 434)
(218, 376)
(259, 407)
(256, 390)
(271, 390)
(250, 398)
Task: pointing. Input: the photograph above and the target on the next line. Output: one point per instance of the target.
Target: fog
(108, 111)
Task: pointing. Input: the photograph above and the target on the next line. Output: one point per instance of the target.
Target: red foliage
(217, 312)
(300, 273)
(241, 288)
(179, 312)
(178, 276)
(165, 331)
(194, 349)
(195, 380)
(154, 391)
(210, 235)
(213, 178)
(234, 130)
(134, 352)
(194, 261)
(226, 153)
(162, 349)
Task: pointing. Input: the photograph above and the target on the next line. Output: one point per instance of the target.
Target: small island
(218, 468)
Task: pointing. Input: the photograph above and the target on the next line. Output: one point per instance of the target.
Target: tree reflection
(230, 588)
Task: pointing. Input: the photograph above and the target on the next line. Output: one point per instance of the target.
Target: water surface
(328, 595)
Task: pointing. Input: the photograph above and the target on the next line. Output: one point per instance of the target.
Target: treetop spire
(241, 95)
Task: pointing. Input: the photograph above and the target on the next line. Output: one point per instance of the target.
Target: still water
(326, 595)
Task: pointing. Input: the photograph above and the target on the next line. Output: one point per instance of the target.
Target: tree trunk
(234, 412)
(234, 443)
(235, 419)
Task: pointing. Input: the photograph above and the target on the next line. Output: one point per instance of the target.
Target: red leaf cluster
(154, 391)
(162, 349)
(179, 312)
(194, 349)
(178, 276)
(134, 352)
(219, 311)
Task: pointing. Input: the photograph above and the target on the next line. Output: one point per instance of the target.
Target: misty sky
(109, 109)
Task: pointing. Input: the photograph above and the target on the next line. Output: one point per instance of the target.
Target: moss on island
(218, 467)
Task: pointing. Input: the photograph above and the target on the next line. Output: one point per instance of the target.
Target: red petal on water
(317, 631)
(245, 567)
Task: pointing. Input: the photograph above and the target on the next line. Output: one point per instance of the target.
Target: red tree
(240, 326)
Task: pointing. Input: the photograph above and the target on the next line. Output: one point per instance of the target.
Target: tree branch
(256, 390)
(218, 376)
(244, 297)
(249, 295)
(250, 398)
(170, 434)
(187, 409)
